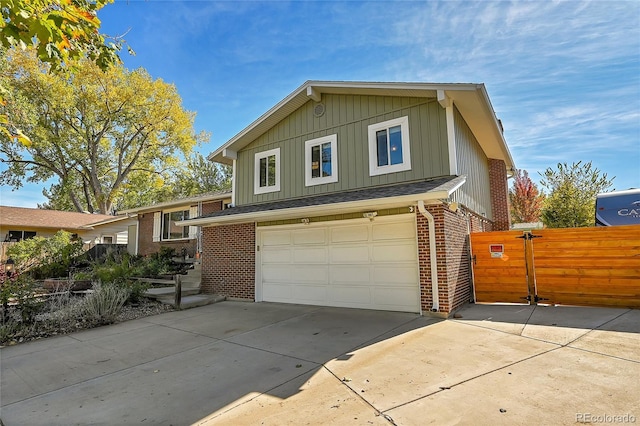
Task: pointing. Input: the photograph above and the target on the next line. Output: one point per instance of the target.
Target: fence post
(178, 296)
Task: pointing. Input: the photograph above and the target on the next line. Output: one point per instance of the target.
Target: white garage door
(353, 263)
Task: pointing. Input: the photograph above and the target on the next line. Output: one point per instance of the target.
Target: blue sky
(564, 77)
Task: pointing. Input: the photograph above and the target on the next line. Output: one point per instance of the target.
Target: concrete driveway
(260, 363)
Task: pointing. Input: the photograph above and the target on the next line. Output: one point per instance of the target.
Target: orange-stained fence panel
(499, 267)
(597, 266)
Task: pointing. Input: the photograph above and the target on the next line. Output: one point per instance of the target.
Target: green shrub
(136, 291)
(21, 292)
(104, 304)
(46, 257)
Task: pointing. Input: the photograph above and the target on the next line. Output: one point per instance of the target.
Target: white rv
(618, 208)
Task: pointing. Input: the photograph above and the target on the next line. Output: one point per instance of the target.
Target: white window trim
(175, 209)
(308, 179)
(374, 169)
(256, 172)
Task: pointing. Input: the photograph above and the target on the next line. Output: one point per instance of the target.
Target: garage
(360, 263)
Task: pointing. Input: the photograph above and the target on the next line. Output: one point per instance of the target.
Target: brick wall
(228, 260)
(499, 195)
(211, 207)
(452, 258)
(147, 246)
(477, 223)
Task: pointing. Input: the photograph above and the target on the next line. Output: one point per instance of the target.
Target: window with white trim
(321, 160)
(389, 147)
(267, 171)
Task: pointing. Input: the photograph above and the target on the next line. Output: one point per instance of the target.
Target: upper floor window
(321, 160)
(170, 231)
(389, 147)
(267, 171)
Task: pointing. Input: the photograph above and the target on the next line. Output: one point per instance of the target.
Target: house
(155, 225)
(358, 194)
(20, 223)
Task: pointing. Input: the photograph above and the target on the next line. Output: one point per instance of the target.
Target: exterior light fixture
(369, 215)
(9, 267)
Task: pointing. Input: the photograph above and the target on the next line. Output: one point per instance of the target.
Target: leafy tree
(96, 131)
(572, 194)
(525, 199)
(199, 176)
(61, 31)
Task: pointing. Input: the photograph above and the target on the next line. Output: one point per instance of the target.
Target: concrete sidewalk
(262, 363)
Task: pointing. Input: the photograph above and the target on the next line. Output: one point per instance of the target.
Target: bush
(48, 257)
(105, 303)
(20, 291)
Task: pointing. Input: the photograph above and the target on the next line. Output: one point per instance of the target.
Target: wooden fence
(575, 266)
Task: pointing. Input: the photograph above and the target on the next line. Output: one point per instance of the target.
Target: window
(19, 235)
(389, 147)
(170, 231)
(107, 240)
(321, 160)
(267, 171)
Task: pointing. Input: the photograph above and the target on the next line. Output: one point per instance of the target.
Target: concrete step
(195, 300)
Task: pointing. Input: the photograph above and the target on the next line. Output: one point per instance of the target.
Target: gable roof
(471, 99)
(54, 219)
(212, 196)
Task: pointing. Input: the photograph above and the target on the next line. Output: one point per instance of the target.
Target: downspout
(432, 256)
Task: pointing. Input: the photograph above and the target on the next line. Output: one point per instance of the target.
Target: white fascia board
(344, 207)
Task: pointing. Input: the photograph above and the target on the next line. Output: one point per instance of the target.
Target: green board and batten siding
(348, 116)
(475, 194)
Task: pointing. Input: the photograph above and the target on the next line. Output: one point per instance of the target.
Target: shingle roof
(446, 183)
(39, 218)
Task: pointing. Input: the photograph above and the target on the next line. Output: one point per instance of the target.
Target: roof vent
(318, 110)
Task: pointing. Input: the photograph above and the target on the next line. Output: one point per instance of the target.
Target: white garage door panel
(307, 254)
(350, 253)
(309, 236)
(395, 297)
(276, 255)
(351, 274)
(359, 264)
(317, 274)
(271, 238)
(275, 273)
(343, 234)
(351, 296)
(314, 295)
(278, 292)
(394, 231)
(407, 275)
(400, 252)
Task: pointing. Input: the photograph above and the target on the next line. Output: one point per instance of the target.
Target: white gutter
(432, 255)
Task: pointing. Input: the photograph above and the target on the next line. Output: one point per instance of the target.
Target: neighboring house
(156, 228)
(360, 195)
(19, 223)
